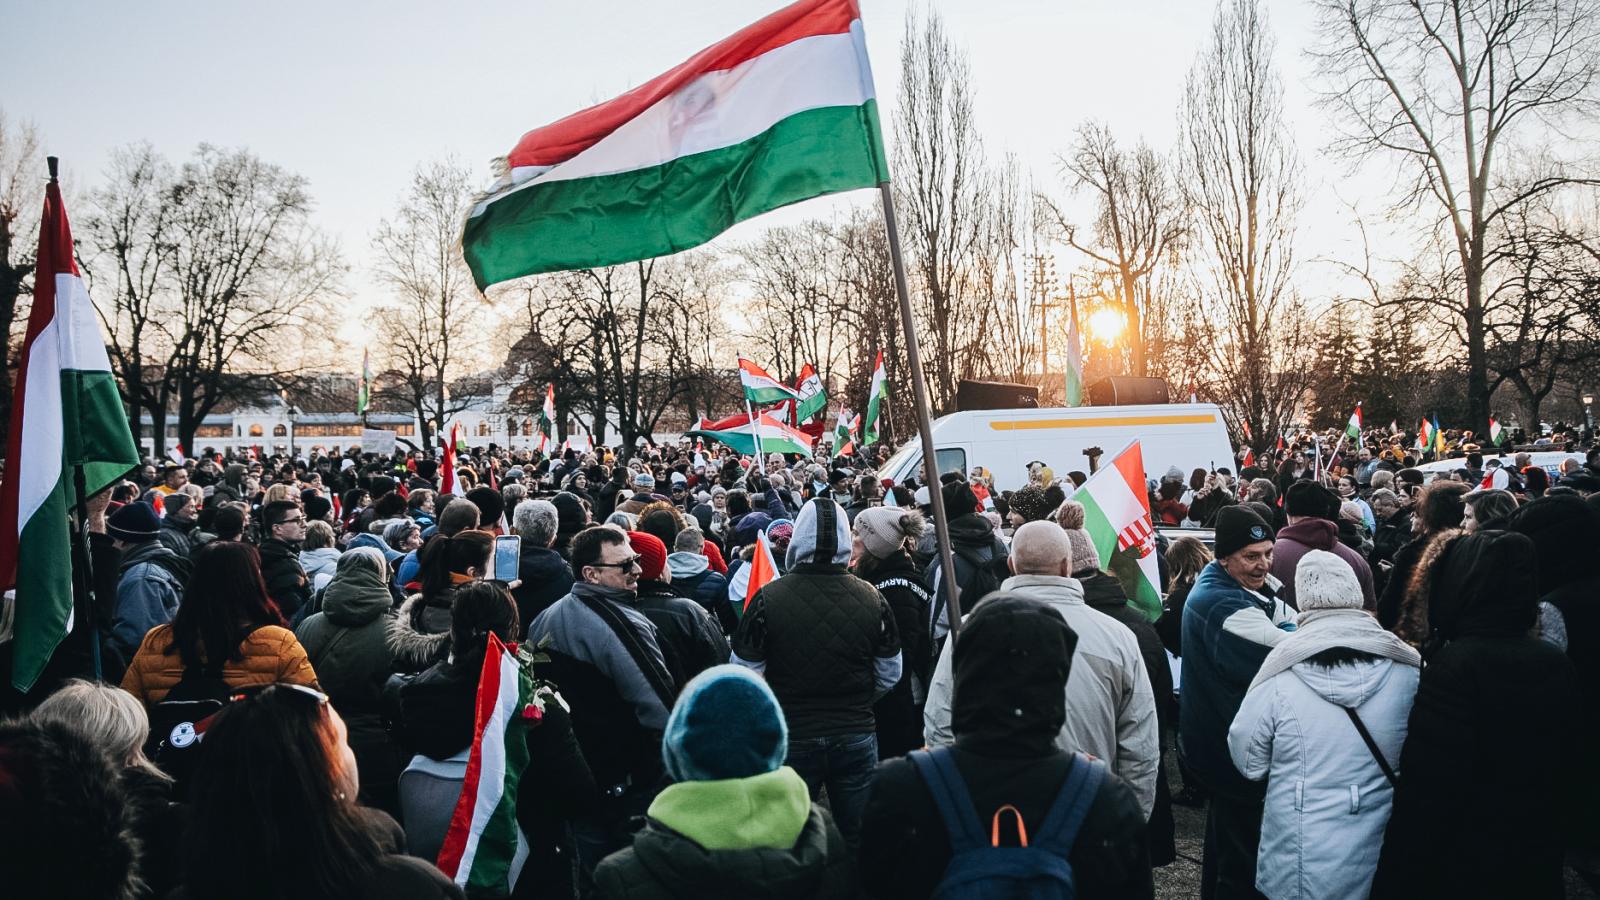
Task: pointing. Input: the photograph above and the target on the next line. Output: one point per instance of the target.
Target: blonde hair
(108, 717)
(281, 491)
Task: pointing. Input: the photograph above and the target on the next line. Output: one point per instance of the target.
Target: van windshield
(905, 460)
(910, 450)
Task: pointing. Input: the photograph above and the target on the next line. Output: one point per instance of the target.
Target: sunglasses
(252, 691)
(624, 566)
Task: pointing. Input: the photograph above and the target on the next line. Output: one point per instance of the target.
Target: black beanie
(959, 500)
(1237, 528)
(1307, 498)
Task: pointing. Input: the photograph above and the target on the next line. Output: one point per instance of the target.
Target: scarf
(1325, 629)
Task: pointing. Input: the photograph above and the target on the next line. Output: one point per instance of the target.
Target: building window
(255, 431)
(527, 428)
(279, 431)
(483, 428)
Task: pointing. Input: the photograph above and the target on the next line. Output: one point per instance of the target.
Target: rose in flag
(1117, 517)
(780, 112)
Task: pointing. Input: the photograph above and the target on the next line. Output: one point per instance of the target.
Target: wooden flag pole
(919, 393)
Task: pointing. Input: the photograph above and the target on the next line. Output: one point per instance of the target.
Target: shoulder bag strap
(1071, 807)
(950, 795)
(1372, 747)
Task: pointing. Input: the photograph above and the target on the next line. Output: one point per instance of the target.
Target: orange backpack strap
(994, 828)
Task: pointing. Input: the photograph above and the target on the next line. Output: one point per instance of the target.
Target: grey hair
(536, 521)
(319, 534)
(625, 521)
(690, 540)
(395, 531)
(514, 494)
(362, 558)
(1384, 495)
(109, 717)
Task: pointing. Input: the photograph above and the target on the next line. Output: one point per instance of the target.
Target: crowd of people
(1374, 683)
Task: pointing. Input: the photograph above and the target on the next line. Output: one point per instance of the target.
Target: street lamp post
(1588, 413)
(292, 412)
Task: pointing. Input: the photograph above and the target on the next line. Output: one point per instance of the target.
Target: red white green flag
(1495, 431)
(483, 848)
(1352, 429)
(776, 436)
(1425, 435)
(65, 412)
(844, 432)
(447, 463)
(780, 112)
(1117, 517)
(813, 399)
(761, 389)
(877, 400)
(753, 577)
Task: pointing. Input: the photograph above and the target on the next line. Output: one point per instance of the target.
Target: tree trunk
(1477, 352)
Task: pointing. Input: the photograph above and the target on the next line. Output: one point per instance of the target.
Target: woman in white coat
(1328, 793)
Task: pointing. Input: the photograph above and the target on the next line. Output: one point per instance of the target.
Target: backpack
(979, 868)
(979, 583)
(179, 720)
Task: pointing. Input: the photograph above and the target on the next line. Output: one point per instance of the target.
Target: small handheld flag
(877, 399)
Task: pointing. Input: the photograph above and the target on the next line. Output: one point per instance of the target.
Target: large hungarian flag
(65, 413)
(483, 848)
(776, 436)
(780, 112)
(761, 389)
(813, 399)
(877, 399)
(1117, 517)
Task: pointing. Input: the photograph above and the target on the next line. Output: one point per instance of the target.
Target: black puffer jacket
(666, 865)
(973, 545)
(899, 712)
(1470, 820)
(1011, 667)
(689, 637)
(287, 584)
(546, 578)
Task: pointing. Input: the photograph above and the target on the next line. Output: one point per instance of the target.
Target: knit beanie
(1084, 556)
(318, 507)
(1324, 581)
(134, 523)
(644, 481)
(1029, 503)
(176, 502)
(959, 500)
(1237, 528)
(726, 724)
(882, 529)
(652, 554)
(1307, 498)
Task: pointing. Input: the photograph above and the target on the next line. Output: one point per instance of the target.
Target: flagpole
(82, 561)
(919, 393)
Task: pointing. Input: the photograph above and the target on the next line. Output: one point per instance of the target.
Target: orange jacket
(271, 654)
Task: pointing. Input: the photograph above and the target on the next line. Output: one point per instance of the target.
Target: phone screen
(507, 557)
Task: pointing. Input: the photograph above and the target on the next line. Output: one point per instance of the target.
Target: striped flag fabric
(1425, 435)
(761, 389)
(813, 398)
(364, 394)
(484, 849)
(776, 436)
(65, 413)
(1438, 438)
(1352, 429)
(753, 577)
(1495, 431)
(877, 399)
(447, 463)
(844, 432)
(177, 454)
(547, 417)
(782, 111)
(1074, 374)
(1117, 517)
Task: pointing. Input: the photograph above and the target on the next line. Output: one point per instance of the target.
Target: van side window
(951, 459)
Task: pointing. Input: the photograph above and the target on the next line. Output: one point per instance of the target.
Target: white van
(1187, 435)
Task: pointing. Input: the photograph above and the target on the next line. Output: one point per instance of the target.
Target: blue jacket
(692, 576)
(1227, 633)
(147, 595)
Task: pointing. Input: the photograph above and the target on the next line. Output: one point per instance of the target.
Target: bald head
(1041, 548)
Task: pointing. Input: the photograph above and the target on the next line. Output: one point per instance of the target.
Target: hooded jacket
(1470, 819)
(899, 713)
(691, 573)
(1227, 632)
(1299, 538)
(741, 819)
(1011, 667)
(321, 561)
(419, 635)
(825, 640)
(1327, 798)
(546, 578)
(973, 543)
(1110, 709)
(148, 593)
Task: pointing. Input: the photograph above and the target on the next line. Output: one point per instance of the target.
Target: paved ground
(1181, 879)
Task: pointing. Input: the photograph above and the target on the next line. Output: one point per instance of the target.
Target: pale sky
(353, 95)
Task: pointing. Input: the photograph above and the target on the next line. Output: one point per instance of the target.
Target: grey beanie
(884, 529)
(1070, 516)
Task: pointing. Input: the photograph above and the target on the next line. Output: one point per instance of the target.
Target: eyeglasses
(252, 691)
(624, 566)
(298, 520)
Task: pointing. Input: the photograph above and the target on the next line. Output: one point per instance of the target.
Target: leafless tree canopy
(202, 273)
(21, 173)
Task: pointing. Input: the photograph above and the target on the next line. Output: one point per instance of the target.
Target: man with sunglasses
(607, 657)
(286, 580)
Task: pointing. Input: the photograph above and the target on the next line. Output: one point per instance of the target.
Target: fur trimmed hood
(415, 648)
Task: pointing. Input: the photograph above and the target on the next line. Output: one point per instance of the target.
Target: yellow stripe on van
(1103, 422)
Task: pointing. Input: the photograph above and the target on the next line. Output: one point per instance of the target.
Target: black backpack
(979, 583)
(179, 720)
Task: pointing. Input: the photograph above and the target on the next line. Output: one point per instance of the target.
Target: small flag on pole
(1352, 429)
(547, 417)
(877, 398)
(177, 455)
(1496, 433)
(364, 394)
(1117, 517)
(753, 577)
(447, 464)
(813, 399)
(1074, 373)
(761, 389)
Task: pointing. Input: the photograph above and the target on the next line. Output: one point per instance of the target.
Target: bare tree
(1138, 223)
(795, 276)
(20, 175)
(427, 329)
(1242, 180)
(1448, 89)
(215, 266)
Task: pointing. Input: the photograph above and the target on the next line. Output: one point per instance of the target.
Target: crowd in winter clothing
(762, 688)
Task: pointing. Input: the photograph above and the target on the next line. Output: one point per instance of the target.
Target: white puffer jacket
(1328, 801)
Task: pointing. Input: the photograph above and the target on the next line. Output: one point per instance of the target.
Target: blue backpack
(982, 868)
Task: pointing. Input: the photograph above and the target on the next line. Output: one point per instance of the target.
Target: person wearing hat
(1011, 669)
(736, 822)
(882, 538)
(149, 583)
(644, 486)
(679, 484)
(1313, 512)
(690, 639)
(1295, 731)
(829, 646)
(1231, 621)
(178, 525)
(977, 549)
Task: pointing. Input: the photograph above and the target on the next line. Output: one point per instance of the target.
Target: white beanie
(1324, 581)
